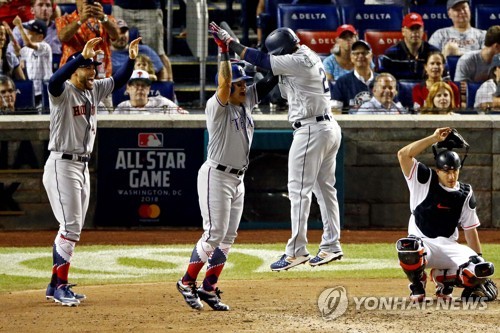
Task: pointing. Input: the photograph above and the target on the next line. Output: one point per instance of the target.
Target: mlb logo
(150, 140)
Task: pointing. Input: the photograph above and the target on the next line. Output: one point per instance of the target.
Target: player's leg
(463, 268)
(209, 292)
(326, 195)
(67, 187)
(412, 259)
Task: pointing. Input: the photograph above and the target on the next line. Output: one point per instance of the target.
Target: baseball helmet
(238, 74)
(281, 41)
(448, 160)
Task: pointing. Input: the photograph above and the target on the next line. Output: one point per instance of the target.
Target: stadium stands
(375, 17)
(486, 15)
(451, 62)
(310, 17)
(435, 17)
(320, 42)
(382, 40)
(25, 95)
(472, 88)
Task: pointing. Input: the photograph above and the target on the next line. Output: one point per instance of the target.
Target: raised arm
(251, 55)
(56, 82)
(408, 152)
(26, 39)
(123, 74)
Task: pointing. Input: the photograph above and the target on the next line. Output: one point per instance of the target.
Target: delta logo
(308, 16)
(389, 41)
(146, 140)
(322, 41)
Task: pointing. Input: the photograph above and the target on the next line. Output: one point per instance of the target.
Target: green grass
(29, 268)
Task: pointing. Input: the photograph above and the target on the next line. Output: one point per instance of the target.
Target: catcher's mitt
(486, 291)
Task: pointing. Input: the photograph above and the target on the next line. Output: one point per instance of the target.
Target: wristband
(79, 23)
(224, 56)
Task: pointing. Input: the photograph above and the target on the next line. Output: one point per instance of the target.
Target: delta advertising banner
(147, 177)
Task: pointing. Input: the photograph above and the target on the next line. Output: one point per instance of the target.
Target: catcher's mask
(447, 159)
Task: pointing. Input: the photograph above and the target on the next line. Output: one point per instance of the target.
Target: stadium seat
(451, 62)
(25, 95)
(382, 40)
(486, 16)
(376, 17)
(474, 3)
(435, 17)
(320, 42)
(405, 92)
(163, 88)
(310, 17)
(472, 88)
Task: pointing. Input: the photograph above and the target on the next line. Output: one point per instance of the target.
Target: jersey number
(326, 86)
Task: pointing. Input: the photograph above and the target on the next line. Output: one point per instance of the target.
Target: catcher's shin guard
(411, 255)
(474, 272)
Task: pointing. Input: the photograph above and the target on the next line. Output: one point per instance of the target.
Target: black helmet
(448, 160)
(281, 41)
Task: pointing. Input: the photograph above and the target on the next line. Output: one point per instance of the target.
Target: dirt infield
(280, 305)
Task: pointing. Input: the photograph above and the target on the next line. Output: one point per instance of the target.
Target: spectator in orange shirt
(87, 22)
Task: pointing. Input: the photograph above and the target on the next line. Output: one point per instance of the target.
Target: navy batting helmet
(281, 41)
(238, 74)
(448, 160)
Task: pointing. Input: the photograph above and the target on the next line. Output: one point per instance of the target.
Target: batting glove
(221, 37)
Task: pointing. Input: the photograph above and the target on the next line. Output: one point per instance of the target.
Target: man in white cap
(461, 37)
(138, 88)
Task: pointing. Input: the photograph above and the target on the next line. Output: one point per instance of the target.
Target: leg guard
(474, 272)
(411, 255)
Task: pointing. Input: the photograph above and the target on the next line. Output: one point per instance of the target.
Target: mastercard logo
(149, 211)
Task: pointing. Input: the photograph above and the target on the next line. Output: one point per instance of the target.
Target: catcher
(439, 203)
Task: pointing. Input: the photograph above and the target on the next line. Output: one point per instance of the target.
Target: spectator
(487, 97)
(7, 95)
(138, 88)
(147, 17)
(474, 66)
(382, 102)
(42, 10)
(119, 53)
(339, 62)
(352, 89)
(10, 64)
(87, 22)
(36, 54)
(144, 63)
(411, 51)
(441, 99)
(461, 37)
(433, 72)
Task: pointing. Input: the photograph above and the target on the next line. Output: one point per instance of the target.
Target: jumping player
(74, 94)
(439, 203)
(316, 140)
(220, 179)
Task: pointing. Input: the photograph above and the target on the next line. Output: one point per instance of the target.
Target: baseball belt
(75, 157)
(224, 168)
(299, 124)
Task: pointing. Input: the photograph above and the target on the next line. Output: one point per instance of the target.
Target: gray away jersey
(303, 83)
(70, 132)
(230, 130)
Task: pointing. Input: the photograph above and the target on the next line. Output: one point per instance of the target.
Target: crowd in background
(36, 38)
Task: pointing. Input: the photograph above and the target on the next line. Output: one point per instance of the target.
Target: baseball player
(316, 140)
(439, 203)
(74, 94)
(220, 179)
